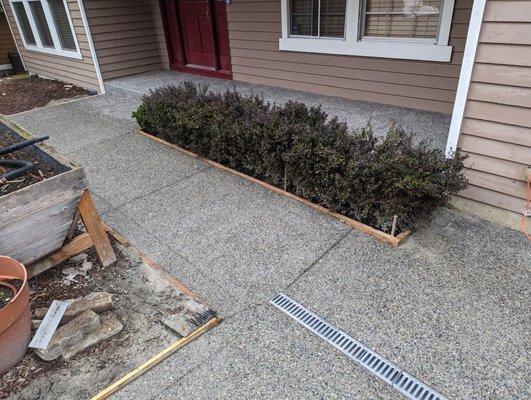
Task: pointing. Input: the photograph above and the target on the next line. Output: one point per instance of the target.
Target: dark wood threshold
(223, 74)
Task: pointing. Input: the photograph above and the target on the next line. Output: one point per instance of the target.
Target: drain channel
(409, 386)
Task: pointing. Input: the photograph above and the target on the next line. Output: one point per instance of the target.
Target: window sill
(370, 48)
(67, 54)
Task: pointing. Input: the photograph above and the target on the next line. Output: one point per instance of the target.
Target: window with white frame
(406, 29)
(46, 26)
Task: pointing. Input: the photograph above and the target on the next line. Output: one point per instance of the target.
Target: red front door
(197, 34)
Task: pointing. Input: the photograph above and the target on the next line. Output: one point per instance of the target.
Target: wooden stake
(96, 230)
(131, 376)
(393, 227)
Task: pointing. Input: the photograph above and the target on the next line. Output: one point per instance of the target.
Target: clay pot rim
(23, 276)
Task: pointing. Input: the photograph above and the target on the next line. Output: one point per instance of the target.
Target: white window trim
(38, 47)
(355, 45)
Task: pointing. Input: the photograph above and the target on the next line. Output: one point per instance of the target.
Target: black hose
(23, 167)
(21, 145)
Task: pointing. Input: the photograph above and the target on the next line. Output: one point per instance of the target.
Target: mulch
(41, 172)
(24, 94)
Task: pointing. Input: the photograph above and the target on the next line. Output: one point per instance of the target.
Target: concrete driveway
(450, 306)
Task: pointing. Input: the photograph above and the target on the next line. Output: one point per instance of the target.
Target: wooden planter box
(369, 230)
(35, 220)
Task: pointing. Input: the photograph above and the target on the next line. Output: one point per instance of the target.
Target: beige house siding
(161, 36)
(79, 72)
(6, 40)
(255, 27)
(496, 129)
(125, 35)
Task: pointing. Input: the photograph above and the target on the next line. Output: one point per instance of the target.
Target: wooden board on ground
(131, 376)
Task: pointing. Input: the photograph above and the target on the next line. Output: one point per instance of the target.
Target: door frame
(181, 66)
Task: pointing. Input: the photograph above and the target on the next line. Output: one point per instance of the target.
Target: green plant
(303, 150)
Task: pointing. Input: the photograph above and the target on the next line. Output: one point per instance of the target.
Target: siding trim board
(91, 46)
(492, 119)
(469, 57)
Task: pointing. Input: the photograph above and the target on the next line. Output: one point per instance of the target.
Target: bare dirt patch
(142, 296)
(24, 94)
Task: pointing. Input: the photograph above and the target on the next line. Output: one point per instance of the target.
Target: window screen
(402, 18)
(23, 21)
(41, 23)
(62, 24)
(321, 18)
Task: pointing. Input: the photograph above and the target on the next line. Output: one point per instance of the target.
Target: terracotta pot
(15, 323)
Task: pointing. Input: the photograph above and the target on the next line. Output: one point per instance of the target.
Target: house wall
(161, 36)
(79, 72)
(255, 28)
(6, 40)
(496, 129)
(126, 36)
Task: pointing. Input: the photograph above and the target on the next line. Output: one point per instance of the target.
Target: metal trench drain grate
(372, 361)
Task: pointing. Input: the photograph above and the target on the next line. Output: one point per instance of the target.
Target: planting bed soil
(142, 295)
(6, 294)
(24, 94)
(42, 171)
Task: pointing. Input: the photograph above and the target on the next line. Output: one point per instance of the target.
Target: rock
(192, 316)
(95, 301)
(69, 270)
(109, 326)
(79, 258)
(86, 266)
(35, 323)
(70, 334)
(71, 278)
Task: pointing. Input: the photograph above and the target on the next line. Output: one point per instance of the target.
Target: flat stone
(79, 257)
(109, 326)
(86, 266)
(191, 317)
(70, 334)
(96, 301)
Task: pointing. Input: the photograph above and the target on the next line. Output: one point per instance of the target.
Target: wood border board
(154, 361)
(369, 230)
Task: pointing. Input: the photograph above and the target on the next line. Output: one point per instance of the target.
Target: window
(62, 24)
(46, 26)
(320, 18)
(402, 18)
(405, 29)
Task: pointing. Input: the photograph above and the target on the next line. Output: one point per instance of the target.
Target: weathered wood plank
(76, 246)
(37, 223)
(96, 229)
(41, 195)
(37, 247)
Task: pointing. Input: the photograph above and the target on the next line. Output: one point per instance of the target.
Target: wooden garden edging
(369, 230)
(168, 351)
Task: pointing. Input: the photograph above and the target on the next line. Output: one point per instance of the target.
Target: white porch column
(469, 57)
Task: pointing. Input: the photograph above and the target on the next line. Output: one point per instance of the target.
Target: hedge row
(303, 150)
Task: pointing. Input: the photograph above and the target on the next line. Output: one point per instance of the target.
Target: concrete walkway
(450, 306)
